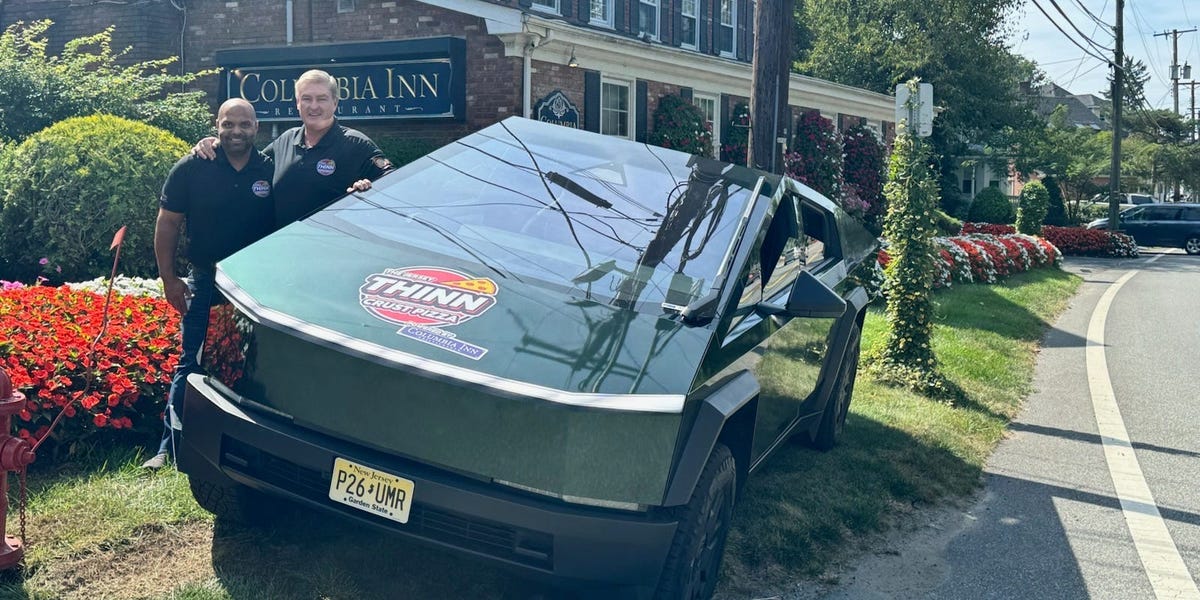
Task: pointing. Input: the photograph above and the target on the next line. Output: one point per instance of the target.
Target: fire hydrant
(15, 454)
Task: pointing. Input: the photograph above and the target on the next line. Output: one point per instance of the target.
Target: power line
(1095, 28)
(1089, 40)
(1071, 39)
(1099, 22)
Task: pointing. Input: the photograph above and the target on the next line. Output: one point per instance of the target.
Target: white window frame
(695, 17)
(549, 6)
(607, 21)
(697, 98)
(628, 85)
(733, 16)
(657, 18)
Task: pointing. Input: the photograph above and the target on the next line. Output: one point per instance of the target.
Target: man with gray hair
(320, 160)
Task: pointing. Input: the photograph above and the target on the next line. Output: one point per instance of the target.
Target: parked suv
(1126, 199)
(555, 350)
(1163, 224)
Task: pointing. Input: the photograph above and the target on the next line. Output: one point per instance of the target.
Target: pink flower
(44, 261)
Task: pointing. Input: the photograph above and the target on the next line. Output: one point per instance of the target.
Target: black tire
(834, 418)
(694, 562)
(1192, 245)
(236, 504)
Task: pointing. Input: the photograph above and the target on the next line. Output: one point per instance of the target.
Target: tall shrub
(862, 167)
(81, 180)
(87, 77)
(680, 125)
(906, 357)
(991, 206)
(736, 137)
(1031, 208)
(815, 157)
(1056, 211)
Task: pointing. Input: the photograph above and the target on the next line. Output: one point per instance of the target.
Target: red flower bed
(1090, 242)
(988, 228)
(45, 335)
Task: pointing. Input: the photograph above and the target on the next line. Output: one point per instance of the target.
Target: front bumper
(224, 441)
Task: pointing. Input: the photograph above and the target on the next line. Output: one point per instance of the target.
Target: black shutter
(723, 109)
(716, 27)
(704, 24)
(745, 16)
(685, 93)
(591, 101)
(676, 16)
(640, 116)
(620, 7)
(564, 8)
(525, 3)
(585, 10)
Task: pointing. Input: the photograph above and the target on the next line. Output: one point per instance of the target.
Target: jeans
(193, 329)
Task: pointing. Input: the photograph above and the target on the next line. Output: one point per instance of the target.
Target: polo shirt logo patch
(261, 188)
(325, 166)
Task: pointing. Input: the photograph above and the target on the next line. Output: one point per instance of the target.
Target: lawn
(100, 528)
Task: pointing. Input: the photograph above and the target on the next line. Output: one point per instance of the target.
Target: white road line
(1164, 566)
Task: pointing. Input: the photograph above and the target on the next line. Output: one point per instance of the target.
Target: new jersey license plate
(370, 490)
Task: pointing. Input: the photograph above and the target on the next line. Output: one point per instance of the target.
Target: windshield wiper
(567, 184)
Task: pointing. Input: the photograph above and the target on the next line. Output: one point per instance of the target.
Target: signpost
(918, 114)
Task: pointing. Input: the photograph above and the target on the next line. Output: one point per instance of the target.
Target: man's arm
(166, 241)
(374, 166)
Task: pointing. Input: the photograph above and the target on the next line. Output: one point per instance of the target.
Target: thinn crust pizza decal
(423, 300)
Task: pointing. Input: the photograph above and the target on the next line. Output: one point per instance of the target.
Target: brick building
(429, 71)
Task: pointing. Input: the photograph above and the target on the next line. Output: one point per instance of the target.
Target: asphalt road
(1063, 513)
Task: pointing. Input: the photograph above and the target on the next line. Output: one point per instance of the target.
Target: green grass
(99, 527)
(900, 449)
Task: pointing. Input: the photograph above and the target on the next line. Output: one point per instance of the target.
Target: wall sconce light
(572, 62)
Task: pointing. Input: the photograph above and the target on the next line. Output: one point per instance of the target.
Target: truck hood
(422, 311)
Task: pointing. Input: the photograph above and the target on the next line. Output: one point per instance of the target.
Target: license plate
(370, 490)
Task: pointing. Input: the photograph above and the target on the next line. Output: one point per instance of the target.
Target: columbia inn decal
(417, 79)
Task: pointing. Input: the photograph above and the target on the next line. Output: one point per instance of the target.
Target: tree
(37, 89)
(959, 46)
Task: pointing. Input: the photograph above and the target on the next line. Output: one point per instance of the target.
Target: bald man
(227, 204)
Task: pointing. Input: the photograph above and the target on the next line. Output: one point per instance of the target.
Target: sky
(1067, 65)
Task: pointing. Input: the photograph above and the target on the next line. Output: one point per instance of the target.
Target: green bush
(680, 125)
(991, 206)
(736, 139)
(1032, 207)
(946, 225)
(1056, 211)
(81, 180)
(37, 89)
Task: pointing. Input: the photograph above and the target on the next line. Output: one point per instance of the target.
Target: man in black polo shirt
(227, 204)
(321, 160)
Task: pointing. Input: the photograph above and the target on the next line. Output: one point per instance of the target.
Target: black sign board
(399, 79)
(557, 109)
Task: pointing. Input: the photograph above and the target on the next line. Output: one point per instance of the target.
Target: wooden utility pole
(1118, 93)
(768, 92)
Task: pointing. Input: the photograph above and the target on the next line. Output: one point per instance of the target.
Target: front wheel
(235, 503)
(694, 561)
(1192, 245)
(833, 420)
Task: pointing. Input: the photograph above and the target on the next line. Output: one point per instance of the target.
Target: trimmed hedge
(991, 206)
(680, 125)
(79, 181)
(1032, 207)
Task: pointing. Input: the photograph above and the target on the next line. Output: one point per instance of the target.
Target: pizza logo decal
(423, 300)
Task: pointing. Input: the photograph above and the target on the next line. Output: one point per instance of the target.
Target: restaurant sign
(557, 109)
(378, 80)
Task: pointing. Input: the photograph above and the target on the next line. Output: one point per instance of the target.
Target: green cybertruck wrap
(552, 315)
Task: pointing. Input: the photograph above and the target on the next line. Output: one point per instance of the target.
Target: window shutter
(704, 23)
(585, 10)
(685, 93)
(620, 8)
(565, 7)
(745, 19)
(525, 3)
(640, 117)
(591, 101)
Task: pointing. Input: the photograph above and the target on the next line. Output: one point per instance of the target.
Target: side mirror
(809, 298)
